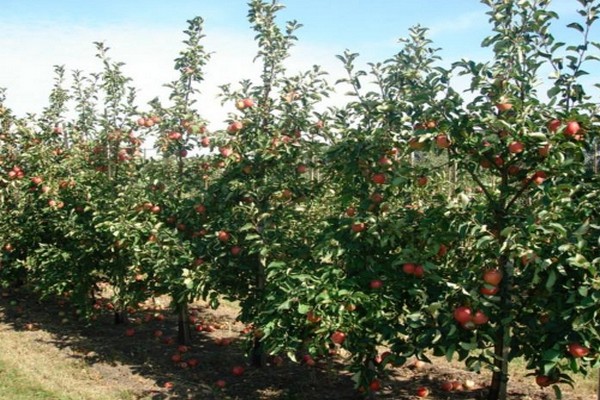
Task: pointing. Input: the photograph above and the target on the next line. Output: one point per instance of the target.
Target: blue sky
(146, 35)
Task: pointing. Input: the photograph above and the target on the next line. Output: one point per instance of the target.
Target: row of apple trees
(413, 220)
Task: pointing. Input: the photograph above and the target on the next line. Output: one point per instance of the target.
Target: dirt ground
(142, 366)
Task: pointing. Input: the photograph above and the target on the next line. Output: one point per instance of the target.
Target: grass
(32, 369)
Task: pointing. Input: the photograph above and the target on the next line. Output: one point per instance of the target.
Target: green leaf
(551, 280)
(576, 26)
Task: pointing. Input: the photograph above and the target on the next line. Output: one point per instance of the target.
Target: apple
(447, 386)
(338, 337)
(544, 150)
(553, 125)
(422, 180)
(376, 198)
(174, 135)
(442, 250)
(479, 318)
(384, 161)
(235, 251)
(351, 211)
(492, 276)
(358, 227)
(301, 168)
(442, 141)
(235, 127)
(409, 268)
(499, 161)
(36, 180)
(539, 177)
(378, 179)
(489, 290)
(376, 284)
(513, 170)
(578, 350)
(182, 348)
(572, 128)
(415, 144)
(129, 332)
(419, 271)
(176, 358)
(504, 106)
(375, 385)
(469, 384)
(237, 370)
(169, 385)
(543, 381)
(308, 360)
(223, 236)
(516, 147)
(462, 314)
(205, 141)
(312, 318)
(220, 383)
(422, 392)
(157, 333)
(225, 151)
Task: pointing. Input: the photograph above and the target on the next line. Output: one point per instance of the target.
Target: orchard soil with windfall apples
(143, 358)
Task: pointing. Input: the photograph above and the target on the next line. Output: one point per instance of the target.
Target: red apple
(543, 380)
(419, 271)
(220, 383)
(442, 141)
(235, 251)
(174, 135)
(422, 180)
(422, 392)
(235, 127)
(129, 332)
(578, 350)
(378, 179)
(492, 276)
(479, 318)
(351, 211)
(375, 385)
(338, 337)
(376, 284)
(516, 147)
(572, 128)
(223, 236)
(409, 268)
(238, 370)
(205, 141)
(539, 177)
(489, 290)
(462, 314)
(447, 386)
(553, 125)
(504, 106)
(544, 150)
(358, 227)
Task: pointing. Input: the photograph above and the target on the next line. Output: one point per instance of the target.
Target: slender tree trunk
(258, 357)
(184, 333)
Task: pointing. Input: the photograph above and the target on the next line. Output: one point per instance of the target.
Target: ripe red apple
(36, 180)
(553, 125)
(205, 141)
(419, 271)
(375, 385)
(447, 386)
(513, 170)
(174, 135)
(376, 198)
(376, 284)
(492, 276)
(578, 350)
(384, 161)
(358, 227)
(572, 128)
(479, 318)
(516, 147)
(308, 360)
(193, 362)
(223, 236)
(544, 150)
(312, 318)
(182, 348)
(225, 151)
(378, 179)
(543, 380)
(338, 337)
(409, 268)
(422, 392)
(235, 127)
(442, 250)
(238, 370)
(301, 168)
(462, 314)
(422, 180)
(176, 358)
(235, 251)
(220, 383)
(351, 211)
(539, 177)
(169, 385)
(442, 141)
(129, 332)
(489, 290)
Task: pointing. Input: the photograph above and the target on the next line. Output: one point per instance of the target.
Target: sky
(146, 35)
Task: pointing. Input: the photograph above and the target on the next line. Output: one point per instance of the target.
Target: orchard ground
(45, 353)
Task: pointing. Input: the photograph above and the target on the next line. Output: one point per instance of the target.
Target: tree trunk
(184, 333)
(498, 388)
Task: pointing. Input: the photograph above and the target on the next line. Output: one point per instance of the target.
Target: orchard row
(412, 220)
